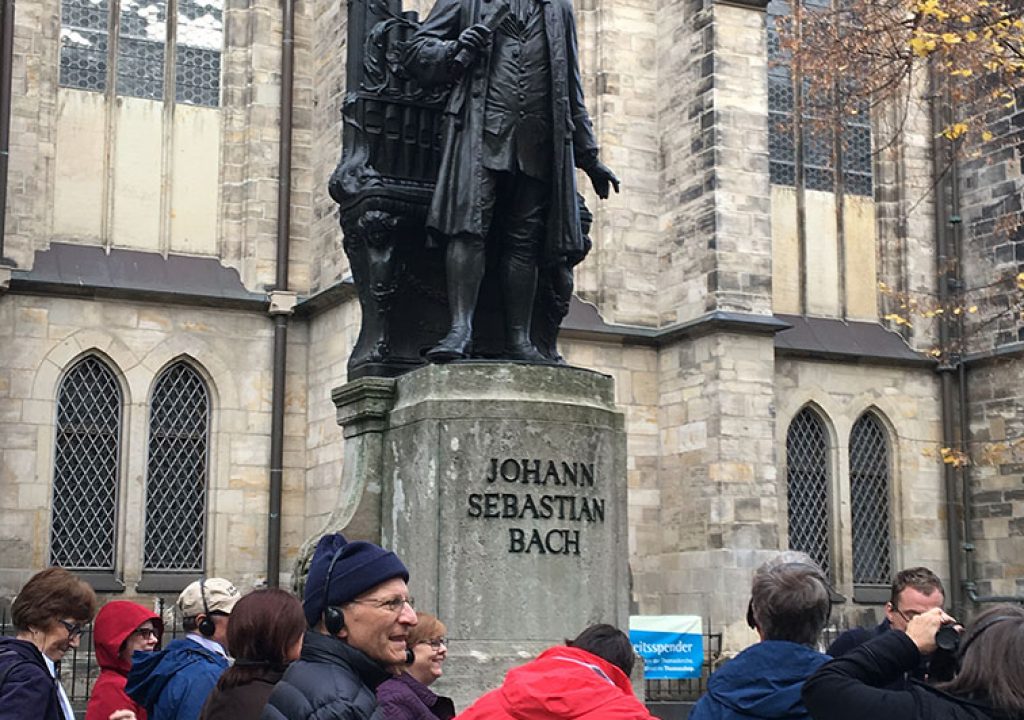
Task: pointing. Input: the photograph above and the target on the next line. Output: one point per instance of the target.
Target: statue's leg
(523, 235)
(465, 263)
(464, 268)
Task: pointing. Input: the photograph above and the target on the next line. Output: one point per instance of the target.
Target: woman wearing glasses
(121, 628)
(48, 615)
(406, 696)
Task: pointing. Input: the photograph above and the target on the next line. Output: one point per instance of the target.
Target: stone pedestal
(503, 488)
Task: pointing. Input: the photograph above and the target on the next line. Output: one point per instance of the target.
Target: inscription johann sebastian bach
(567, 498)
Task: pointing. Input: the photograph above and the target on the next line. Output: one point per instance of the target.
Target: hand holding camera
(934, 629)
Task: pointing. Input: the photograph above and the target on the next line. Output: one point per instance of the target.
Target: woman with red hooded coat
(121, 628)
(585, 679)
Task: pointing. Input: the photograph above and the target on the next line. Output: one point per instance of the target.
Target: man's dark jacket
(855, 687)
(457, 206)
(935, 668)
(763, 681)
(28, 690)
(329, 681)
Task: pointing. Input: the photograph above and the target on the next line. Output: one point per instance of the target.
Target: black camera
(943, 663)
(947, 639)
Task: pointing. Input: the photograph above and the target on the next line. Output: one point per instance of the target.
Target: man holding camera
(914, 592)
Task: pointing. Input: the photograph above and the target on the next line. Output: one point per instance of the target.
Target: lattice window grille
(870, 504)
(83, 44)
(818, 140)
(200, 37)
(140, 49)
(807, 480)
(86, 465)
(142, 45)
(179, 433)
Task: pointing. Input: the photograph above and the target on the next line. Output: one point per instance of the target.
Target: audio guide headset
(334, 618)
(205, 626)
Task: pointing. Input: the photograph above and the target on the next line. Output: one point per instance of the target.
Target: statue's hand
(475, 37)
(601, 177)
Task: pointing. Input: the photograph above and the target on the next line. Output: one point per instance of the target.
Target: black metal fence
(690, 689)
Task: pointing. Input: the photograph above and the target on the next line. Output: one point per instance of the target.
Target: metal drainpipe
(280, 316)
(956, 222)
(945, 369)
(6, 62)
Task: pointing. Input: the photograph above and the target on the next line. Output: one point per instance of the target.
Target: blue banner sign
(672, 646)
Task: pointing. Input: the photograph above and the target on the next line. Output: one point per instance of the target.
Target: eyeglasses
(74, 629)
(394, 605)
(436, 643)
(146, 632)
(907, 616)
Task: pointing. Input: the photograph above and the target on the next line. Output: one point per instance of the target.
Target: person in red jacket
(121, 628)
(585, 679)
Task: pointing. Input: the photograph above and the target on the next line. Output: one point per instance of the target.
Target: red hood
(114, 623)
(567, 682)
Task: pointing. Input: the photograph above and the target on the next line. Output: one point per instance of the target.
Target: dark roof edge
(585, 323)
(923, 361)
(859, 341)
(256, 302)
(1004, 352)
(94, 272)
(312, 305)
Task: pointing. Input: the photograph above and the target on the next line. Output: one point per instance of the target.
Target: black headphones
(205, 626)
(334, 618)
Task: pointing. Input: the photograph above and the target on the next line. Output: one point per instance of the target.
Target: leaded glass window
(192, 30)
(140, 49)
(869, 496)
(818, 160)
(86, 467)
(807, 481)
(197, 62)
(83, 44)
(179, 438)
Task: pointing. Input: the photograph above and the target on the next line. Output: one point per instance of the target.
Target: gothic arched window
(177, 469)
(870, 507)
(86, 464)
(807, 483)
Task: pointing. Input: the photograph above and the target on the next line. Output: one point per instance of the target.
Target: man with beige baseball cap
(173, 684)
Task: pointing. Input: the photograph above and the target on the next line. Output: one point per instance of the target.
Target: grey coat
(457, 206)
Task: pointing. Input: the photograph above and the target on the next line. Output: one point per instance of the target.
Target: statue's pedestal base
(503, 489)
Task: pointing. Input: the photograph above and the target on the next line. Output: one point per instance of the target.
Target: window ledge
(101, 581)
(871, 594)
(170, 582)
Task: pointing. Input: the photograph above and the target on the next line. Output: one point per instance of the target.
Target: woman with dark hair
(120, 629)
(406, 696)
(989, 685)
(585, 679)
(264, 635)
(48, 615)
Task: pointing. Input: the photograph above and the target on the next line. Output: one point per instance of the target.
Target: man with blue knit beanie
(359, 612)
